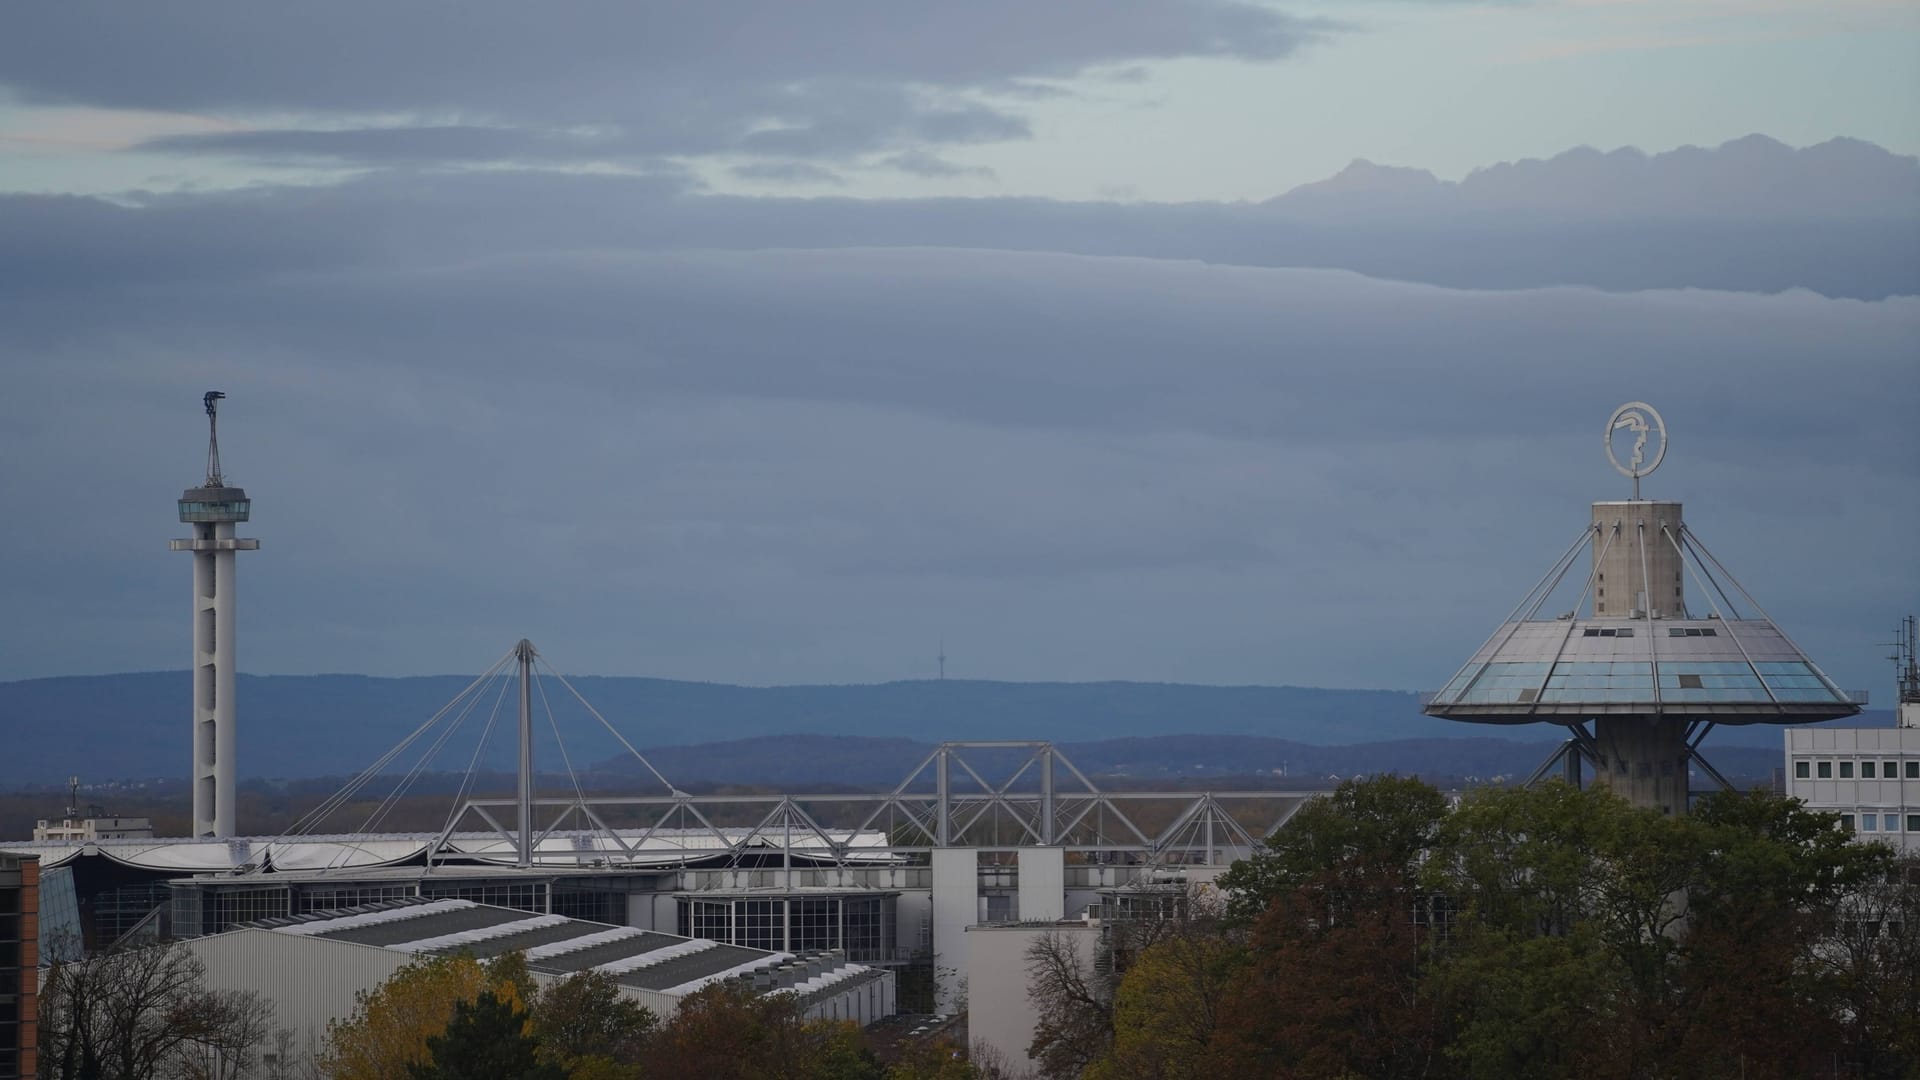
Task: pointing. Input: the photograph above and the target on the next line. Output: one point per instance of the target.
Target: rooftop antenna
(1906, 672)
(73, 797)
(212, 402)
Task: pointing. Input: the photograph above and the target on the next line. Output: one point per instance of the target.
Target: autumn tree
(587, 1026)
(486, 1039)
(728, 1031)
(935, 1059)
(145, 1012)
(390, 1026)
(1167, 1010)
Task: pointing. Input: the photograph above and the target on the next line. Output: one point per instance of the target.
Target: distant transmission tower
(943, 658)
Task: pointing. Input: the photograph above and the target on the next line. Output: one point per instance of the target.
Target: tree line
(1538, 932)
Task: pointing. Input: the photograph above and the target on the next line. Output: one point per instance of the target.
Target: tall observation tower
(1635, 672)
(213, 509)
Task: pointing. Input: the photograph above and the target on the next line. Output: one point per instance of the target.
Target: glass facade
(524, 895)
(862, 925)
(1632, 682)
(593, 905)
(116, 911)
(226, 510)
(308, 899)
(60, 931)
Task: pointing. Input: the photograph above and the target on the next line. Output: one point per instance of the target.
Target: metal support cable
(558, 741)
(1693, 540)
(353, 786)
(1538, 595)
(413, 775)
(455, 812)
(1691, 543)
(1646, 583)
(1593, 573)
(1732, 634)
(642, 758)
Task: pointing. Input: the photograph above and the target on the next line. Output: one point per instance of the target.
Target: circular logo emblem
(1631, 427)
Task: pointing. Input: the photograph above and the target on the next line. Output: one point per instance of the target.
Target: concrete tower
(1649, 675)
(213, 509)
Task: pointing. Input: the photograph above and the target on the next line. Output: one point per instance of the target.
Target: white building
(1869, 776)
(87, 830)
(1000, 1016)
(311, 968)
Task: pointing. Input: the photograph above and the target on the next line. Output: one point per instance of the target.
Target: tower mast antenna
(212, 402)
(943, 658)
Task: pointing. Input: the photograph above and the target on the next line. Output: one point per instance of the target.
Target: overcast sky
(775, 343)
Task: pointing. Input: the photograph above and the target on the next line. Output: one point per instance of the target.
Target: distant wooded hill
(131, 726)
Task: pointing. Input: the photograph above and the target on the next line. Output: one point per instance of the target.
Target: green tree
(487, 1039)
(1366, 833)
(587, 1026)
(1329, 991)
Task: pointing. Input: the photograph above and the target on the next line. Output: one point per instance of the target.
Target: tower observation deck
(213, 509)
(1650, 671)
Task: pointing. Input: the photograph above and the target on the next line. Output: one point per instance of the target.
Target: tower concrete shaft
(1644, 760)
(1636, 569)
(213, 509)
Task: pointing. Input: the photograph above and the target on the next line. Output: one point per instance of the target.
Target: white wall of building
(956, 906)
(309, 980)
(1844, 770)
(872, 1000)
(999, 1014)
(1043, 884)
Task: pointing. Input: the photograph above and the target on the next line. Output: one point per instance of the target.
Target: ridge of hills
(307, 726)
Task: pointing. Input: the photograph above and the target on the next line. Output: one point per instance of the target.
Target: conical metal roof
(1642, 650)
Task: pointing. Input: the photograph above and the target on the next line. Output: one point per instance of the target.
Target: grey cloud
(505, 58)
(402, 145)
(403, 217)
(921, 163)
(787, 172)
(795, 79)
(791, 465)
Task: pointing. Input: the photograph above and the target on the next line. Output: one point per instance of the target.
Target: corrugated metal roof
(639, 959)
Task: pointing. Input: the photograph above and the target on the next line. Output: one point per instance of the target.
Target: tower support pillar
(1646, 760)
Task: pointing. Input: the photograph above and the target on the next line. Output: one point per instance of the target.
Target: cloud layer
(806, 465)
(368, 83)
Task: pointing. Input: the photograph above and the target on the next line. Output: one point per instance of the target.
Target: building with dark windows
(19, 965)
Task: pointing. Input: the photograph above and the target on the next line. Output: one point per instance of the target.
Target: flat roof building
(311, 968)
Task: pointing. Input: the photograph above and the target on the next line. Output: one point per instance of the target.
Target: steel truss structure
(946, 801)
(962, 794)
